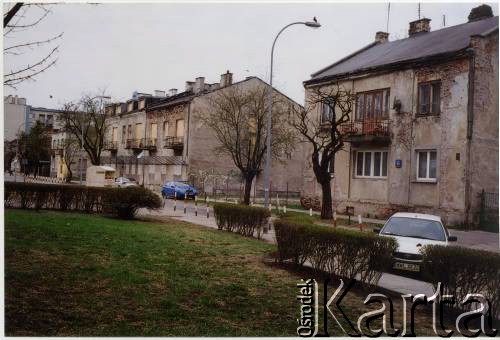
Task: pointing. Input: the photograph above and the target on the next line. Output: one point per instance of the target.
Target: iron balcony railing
(378, 128)
(141, 144)
(173, 142)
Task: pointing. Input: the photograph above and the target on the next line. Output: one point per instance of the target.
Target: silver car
(413, 231)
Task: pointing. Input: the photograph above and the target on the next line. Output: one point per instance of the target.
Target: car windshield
(414, 227)
(182, 185)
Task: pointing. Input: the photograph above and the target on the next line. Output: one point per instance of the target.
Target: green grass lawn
(70, 274)
(73, 274)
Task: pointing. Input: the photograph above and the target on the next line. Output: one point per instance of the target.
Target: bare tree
(19, 17)
(71, 148)
(324, 133)
(85, 121)
(237, 115)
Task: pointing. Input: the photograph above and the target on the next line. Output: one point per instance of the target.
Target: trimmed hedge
(241, 219)
(339, 252)
(119, 202)
(463, 271)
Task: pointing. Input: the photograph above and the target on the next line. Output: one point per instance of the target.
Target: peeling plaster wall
(447, 133)
(484, 145)
(202, 155)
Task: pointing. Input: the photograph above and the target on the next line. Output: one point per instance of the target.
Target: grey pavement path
(391, 282)
(475, 239)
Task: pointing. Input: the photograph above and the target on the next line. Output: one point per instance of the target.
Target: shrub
(119, 202)
(124, 202)
(241, 219)
(463, 271)
(339, 252)
(308, 202)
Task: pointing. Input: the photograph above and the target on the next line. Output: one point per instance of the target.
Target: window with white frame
(372, 164)
(427, 165)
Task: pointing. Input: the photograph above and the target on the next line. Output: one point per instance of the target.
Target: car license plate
(407, 266)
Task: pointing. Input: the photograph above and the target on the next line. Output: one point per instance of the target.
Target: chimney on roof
(172, 92)
(419, 26)
(226, 79)
(199, 84)
(159, 93)
(381, 37)
(480, 13)
(189, 86)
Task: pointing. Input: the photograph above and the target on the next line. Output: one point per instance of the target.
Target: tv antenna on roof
(444, 20)
(388, 14)
(419, 11)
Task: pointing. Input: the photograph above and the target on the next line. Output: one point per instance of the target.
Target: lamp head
(313, 24)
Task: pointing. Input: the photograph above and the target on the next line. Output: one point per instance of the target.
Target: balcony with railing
(172, 142)
(111, 145)
(149, 143)
(367, 131)
(141, 144)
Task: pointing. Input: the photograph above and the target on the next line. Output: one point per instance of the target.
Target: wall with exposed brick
(484, 144)
(446, 133)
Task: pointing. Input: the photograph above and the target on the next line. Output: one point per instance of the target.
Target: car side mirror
(452, 239)
(376, 230)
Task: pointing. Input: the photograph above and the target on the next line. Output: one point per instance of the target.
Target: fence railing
(173, 142)
(488, 214)
(42, 179)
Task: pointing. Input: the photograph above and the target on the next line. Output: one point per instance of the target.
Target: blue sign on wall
(399, 163)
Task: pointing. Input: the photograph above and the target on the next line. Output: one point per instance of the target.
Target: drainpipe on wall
(470, 121)
(411, 139)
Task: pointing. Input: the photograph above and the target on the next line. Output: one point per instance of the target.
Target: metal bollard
(335, 219)
(184, 203)
(195, 206)
(208, 213)
(310, 211)
(175, 200)
(284, 209)
(360, 222)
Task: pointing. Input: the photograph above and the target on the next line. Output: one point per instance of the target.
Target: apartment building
(163, 139)
(424, 132)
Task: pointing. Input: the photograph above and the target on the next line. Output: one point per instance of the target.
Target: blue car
(179, 190)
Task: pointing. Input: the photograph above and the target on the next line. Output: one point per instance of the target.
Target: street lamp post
(267, 167)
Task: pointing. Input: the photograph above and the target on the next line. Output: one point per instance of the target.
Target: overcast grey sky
(127, 47)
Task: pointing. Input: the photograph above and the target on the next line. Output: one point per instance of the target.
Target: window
(129, 132)
(114, 134)
(50, 120)
(165, 129)
(427, 165)
(372, 105)
(326, 113)
(124, 133)
(179, 128)
(370, 163)
(429, 98)
(139, 131)
(154, 131)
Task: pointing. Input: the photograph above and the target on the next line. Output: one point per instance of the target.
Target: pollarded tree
(71, 149)
(324, 133)
(237, 116)
(85, 121)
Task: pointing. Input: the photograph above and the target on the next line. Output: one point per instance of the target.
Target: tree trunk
(248, 189)
(69, 175)
(326, 204)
